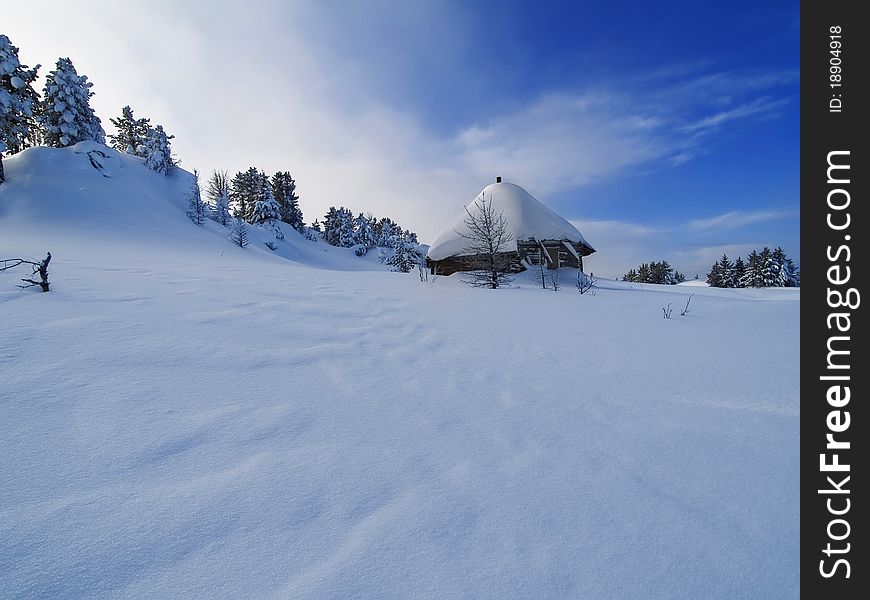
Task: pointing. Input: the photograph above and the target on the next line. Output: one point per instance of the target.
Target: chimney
(498, 179)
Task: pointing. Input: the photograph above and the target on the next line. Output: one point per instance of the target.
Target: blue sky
(663, 130)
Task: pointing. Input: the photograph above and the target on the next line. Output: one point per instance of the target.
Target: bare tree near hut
(487, 245)
(554, 279)
(39, 268)
(584, 282)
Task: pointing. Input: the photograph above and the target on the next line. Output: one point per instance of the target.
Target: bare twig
(584, 282)
(686, 309)
(39, 268)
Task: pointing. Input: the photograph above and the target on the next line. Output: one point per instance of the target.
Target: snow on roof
(526, 218)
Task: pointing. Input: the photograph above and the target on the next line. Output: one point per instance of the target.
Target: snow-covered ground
(183, 418)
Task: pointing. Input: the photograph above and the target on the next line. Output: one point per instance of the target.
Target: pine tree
(244, 190)
(265, 209)
(330, 226)
(388, 233)
(753, 276)
(364, 230)
(791, 276)
(404, 257)
(284, 191)
(727, 267)
(218, 194)
(769, 270)
(196, 208)
(643, 273)
(721, 274)
(18, 102)
(132, 133)
(65, 111)
(338, 227)
(739, 272)
(346, 234)
(157, 151)
(714, 277)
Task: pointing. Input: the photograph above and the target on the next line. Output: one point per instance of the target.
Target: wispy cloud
(758, 106)
(561, 140)
(736, 218)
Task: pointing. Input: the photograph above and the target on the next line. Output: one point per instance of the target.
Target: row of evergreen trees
(341, 228)
(255, 198)
(768, 268)
(139, 138)
(62, 116)
(252, 197)
(365, 231)
(654, 272)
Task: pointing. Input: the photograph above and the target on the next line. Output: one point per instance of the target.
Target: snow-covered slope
(183, 418)
(525, 218)
(92, 192)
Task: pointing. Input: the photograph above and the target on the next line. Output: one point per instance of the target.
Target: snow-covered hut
(538, 234)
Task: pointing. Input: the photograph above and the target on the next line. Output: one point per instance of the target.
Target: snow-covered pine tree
(265, 209)
(388, 233)
(788, 274)
(661, 273)
(739, 272)
(714, 277)
(196, 208)
(753, 276)
(132, 133)
(65, 111)
(284, 191)
(723, 273)
(330, 226)
(727, 268)
(244, 189)
(18, 101)
(364, 230)
(404, 257)
(346, 234)
(338, 227)
(157, 151)
(769, 270)
(218, 194)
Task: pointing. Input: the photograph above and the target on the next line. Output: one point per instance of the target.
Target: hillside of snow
(184, 418)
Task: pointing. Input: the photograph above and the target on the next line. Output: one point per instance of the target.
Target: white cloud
(735, 219)
(562, 141)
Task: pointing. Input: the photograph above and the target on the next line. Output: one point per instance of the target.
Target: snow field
(182, 418)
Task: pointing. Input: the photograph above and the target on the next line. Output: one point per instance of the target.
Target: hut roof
(525, 216)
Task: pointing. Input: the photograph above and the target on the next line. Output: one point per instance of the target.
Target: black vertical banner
(835, 61)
